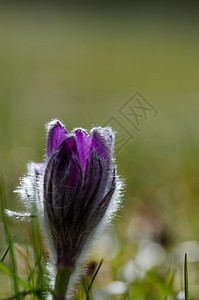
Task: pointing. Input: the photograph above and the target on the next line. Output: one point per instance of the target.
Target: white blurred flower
(130, 272)
(150, 254)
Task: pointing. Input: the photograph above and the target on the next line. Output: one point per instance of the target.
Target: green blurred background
(80, 64)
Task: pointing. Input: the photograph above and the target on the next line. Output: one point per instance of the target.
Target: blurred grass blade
(186, 291)
(6, 252)
(42, 279)
(160, 284)
(19, 280)
(126, 296)
(92, 280)
(8, 237)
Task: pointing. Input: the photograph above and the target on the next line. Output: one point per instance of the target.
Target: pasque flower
(76, 189)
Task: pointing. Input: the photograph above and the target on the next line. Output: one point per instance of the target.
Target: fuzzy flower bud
(76, 189)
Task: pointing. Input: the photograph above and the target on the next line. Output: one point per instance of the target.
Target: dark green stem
(61, 282)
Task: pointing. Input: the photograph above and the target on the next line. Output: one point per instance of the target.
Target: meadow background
(80, 64)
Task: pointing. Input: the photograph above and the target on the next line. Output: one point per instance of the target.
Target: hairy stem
(61, 282)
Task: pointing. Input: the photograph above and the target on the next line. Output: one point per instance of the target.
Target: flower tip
(56, 134)
(106, 133)
(53, 123)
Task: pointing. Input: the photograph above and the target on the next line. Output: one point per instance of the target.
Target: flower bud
(76, 189)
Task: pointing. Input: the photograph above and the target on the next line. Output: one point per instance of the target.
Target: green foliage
(9, 239)
(36, 283)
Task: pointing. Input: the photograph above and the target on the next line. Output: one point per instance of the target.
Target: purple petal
(55, 136)
(102, 142)
(67, 171)
(92, 177)
(83, 141)
(62, 183)
(96, 183)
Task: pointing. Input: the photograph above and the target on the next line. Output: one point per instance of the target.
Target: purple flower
(75, 189)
